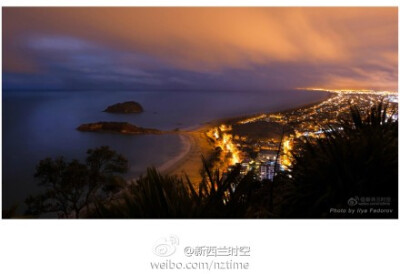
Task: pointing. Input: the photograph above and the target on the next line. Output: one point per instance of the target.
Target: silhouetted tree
(163, 196)
(72, 186)
(357, 157)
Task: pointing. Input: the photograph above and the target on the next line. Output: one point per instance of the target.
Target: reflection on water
(43, 124)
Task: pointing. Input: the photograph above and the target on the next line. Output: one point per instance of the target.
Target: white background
(125, 246)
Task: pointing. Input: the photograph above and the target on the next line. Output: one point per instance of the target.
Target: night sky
(199, 48)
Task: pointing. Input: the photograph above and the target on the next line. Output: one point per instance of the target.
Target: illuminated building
(267, 170)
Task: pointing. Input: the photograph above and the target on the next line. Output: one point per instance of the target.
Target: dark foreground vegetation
(74, 187)
(353, 167)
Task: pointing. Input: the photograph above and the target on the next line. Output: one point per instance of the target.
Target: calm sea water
(37, 125)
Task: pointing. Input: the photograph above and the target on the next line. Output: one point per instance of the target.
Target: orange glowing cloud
(353, 46)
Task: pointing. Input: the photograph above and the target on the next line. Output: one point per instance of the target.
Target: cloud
(330, 46)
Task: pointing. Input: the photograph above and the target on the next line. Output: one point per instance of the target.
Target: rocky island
(126, 107)
(117, 127)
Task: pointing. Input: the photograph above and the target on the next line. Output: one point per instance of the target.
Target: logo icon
(165, 247)
(352, 201)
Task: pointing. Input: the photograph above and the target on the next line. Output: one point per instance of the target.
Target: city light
(225, 142)
(260, 154)
(352, 91)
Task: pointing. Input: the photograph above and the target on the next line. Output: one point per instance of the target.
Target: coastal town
(263, 143)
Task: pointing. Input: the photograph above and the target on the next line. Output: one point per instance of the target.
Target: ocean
(37, 125)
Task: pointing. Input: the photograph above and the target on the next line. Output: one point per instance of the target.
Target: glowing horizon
(200, 48)
(354, 91)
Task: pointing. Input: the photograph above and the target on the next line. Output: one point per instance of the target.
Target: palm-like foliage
(163, 196)
(357, 159)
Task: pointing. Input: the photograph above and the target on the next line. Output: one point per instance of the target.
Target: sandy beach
(172, 164)
(188, 162)
(195, 144)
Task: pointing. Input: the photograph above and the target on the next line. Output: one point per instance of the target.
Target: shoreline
(171, 164)
(195, 143)
(235, 119)
(188, 161)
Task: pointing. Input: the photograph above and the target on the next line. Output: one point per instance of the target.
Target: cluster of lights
(353, 91)
(224, 140)
(305, 120)
(287, 146)
(252, 119)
